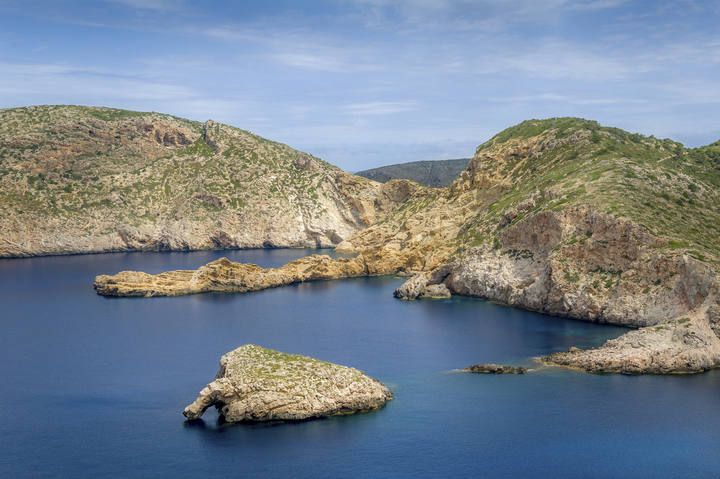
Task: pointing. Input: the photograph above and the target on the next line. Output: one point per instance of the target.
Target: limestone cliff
(82, 180)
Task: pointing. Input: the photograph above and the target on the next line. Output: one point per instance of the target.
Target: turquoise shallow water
(94, 387)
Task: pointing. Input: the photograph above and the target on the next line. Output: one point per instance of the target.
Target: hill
(82, 179)
(429, 173)
(571, 218)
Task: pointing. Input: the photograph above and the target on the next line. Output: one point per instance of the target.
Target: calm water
(94, 387)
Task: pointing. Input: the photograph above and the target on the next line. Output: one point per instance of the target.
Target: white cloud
(158, 5)
(380, 107)
(56, 83)
(567, 99)
(322, 61)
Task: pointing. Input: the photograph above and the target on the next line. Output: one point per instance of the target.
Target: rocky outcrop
(259, 384)
(678, 346)
(226, 276)
(425, 286)
(492, 368)
(587, 265)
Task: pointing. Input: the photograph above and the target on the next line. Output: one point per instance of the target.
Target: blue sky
(362, 83)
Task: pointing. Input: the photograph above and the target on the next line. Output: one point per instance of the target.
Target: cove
(94, 387)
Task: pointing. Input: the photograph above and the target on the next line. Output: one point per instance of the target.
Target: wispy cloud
(380, 107)
(55, 83)
(323, 61)
(567, 99)
(157, 5)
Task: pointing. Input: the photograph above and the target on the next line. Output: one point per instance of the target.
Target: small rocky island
(260, 384)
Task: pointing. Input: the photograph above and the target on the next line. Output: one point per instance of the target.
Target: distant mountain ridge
(437, 173)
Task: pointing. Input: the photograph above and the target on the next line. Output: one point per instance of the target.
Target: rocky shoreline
(671, 298)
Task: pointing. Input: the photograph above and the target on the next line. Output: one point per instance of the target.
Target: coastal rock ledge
(260, 384)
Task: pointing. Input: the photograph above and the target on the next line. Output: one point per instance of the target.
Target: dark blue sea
(94, 387)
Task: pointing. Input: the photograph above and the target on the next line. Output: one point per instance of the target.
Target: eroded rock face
(425, 286)
(587, 265)
(259, 384)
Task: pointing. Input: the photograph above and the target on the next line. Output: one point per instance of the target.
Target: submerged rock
(260, 384)
(495, 369)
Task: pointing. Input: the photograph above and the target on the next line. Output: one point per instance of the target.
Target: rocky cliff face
(81, 180)
(586, 265)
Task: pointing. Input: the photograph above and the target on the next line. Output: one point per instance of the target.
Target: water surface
(94, 387)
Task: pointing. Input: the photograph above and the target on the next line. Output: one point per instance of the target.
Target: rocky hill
(429, 173)
(571, 218)
(80, 180)
(562, 216)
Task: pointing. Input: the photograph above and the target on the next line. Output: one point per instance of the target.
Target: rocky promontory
(259, 384)
(225, 276)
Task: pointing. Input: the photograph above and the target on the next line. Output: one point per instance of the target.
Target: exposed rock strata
(259, 384)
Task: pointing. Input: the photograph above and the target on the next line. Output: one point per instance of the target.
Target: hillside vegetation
(82, 179)
(551, 165)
